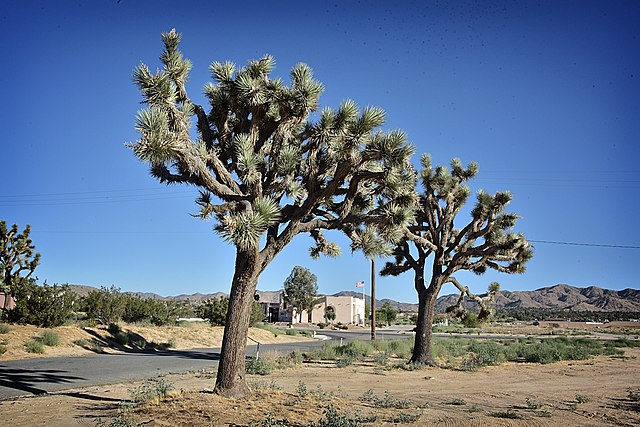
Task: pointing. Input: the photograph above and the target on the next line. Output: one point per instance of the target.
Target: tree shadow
(27, 379)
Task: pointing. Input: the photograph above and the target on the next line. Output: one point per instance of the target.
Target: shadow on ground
(27, 379)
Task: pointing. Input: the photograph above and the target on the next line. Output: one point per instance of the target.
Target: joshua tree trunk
(230, 381)
(422, 353)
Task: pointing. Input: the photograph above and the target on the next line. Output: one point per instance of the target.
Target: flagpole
(373, 298)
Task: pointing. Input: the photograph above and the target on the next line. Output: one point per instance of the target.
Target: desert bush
(634, 395)
(292, 332)
(301, 389)
(215, 311)
(106, 305)
(151, 310)
(119, 421)
(387, 401)
(50, 338)
(333, 418)
(343, 362)
(510, 414)
(153, 388)
(581, 398)
(45, 306)
(3, 349)
(326, 352)
(267, 386)
(4, 328)
(356, 349)
(532, 404)
(258, 366)
(34, 346)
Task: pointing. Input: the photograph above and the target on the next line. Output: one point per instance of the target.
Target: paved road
(45, 375)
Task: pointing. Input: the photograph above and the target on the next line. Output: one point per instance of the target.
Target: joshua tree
(266, 173)
(440, 249)
(300, 289)
(18, 260)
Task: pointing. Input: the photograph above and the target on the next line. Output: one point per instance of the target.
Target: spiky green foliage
(487, 241)
(259, 161)
(18, 259)
(300, 289)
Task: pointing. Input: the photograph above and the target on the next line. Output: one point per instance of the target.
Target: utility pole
(373, 298)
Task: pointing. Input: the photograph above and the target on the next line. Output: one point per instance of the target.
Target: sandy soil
(585, 393)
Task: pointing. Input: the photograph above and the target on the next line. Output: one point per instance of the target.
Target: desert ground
(593, 392)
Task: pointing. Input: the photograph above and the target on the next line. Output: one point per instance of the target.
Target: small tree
(300, 289)
(18, 260)
(267, 172)
(386, 315)
(106, 305)
(45, 306)
(486, 242)
(215, 310)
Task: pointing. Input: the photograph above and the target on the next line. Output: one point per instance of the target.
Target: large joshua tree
(266, 173)
(434, 249)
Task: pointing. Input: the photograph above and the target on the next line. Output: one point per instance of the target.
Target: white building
(347, 310)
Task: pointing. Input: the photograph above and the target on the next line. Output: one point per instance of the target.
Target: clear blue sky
(544, 95)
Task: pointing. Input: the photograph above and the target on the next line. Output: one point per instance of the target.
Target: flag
(359, 284)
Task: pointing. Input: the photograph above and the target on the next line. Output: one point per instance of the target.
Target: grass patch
(50, 338)
(4, 328)
(34, 346)
(3, 349)
(150, 389)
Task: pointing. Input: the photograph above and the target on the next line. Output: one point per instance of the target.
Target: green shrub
(302, 389)
(45, 306)
(106, 305)
(510, 414)
(356, 349)
(215, 311)
(154, 388)
(34, 346)
(3, 349)
(258, 367)
(332, 418)
(291, 332)
(50, 338)
(326, 352)
(343, 362)
(634, 395)
(4, 328)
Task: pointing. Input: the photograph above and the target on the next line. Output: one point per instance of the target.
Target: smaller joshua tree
(18, 259)
(485, 242)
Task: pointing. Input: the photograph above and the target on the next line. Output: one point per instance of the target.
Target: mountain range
(558, 297)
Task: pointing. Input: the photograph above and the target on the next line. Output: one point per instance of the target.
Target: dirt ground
(585, 393)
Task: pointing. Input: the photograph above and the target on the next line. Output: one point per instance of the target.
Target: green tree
(106, 305)
(45, 306)
(485, 242)
(215, 311)
(267, 173)
(18, 260)
(386, 315)
(300, 289)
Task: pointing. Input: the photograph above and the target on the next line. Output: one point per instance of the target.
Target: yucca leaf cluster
(265, 170)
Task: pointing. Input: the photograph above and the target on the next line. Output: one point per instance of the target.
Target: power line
(597, 245)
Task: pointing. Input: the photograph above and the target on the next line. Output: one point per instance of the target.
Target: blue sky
(543, 95)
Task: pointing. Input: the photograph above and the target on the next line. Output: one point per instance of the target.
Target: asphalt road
(46, 375)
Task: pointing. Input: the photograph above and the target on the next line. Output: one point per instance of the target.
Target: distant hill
(558, 297)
